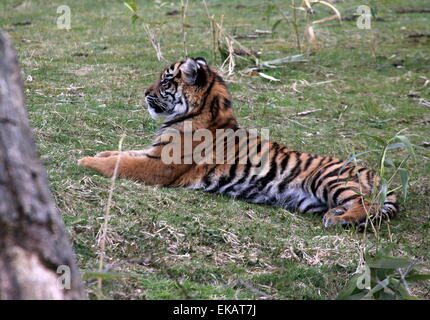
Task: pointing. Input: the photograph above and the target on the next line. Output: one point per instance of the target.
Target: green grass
(197, 245)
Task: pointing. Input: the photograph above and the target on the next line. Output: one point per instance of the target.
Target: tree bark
(36, 259)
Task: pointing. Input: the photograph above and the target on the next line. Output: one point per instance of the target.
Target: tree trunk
(36, 259)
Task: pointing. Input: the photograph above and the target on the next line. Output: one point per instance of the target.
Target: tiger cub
(192, 93)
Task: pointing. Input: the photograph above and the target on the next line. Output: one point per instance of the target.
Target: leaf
(411, 298)
(404, 178)
(358, 296)
(131, 5)
(400, 287)
(395, 146)
(386, 296)
(389, 163)
(417, 277)
(381, 285)
(407, 144)
(349, 288)
(388, 263)
(379, 140)
(275, 25)
(383, 192)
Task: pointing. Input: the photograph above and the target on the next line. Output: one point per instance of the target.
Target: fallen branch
(298, 123)
(424, 102)
(409, 10)
(418, 35)
(261, 65)
(305, 113)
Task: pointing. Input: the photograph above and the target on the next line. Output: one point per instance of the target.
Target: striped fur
(192, 91)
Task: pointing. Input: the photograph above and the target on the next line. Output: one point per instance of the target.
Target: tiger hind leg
(341, 215)
(358, 212)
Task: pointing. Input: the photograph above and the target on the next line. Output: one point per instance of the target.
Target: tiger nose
(147, 92)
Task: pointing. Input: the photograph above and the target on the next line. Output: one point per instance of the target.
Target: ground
(84, 89)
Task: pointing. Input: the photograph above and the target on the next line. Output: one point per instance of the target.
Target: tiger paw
(333, 217)
(85, 162)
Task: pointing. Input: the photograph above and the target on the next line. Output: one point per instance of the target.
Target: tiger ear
(189, 71)
(201, 61)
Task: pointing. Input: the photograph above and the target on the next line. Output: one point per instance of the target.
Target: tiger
(191, 91)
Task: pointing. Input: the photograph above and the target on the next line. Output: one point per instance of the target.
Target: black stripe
(152, 157)
(335, 181)
(325, 195)
(271, 174)
(227, 104)
(318, 175)
(252, 195)
(249, 188)
(337, 194)
(314, 206)
(369, 177)
(319, 178)
(207, 92)
(308, 163)
(346, 200)
(244, 175)
(300, 203)
(361, 170)
(201, 79)
(293, 174)
(224, 180)
(228, 124)
(257, 150)
(206, 179)
(284, 162)
(158, 144)
(214, 107)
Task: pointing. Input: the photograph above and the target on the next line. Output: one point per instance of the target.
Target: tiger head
(176, 91)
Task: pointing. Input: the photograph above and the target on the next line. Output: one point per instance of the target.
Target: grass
(87, 90)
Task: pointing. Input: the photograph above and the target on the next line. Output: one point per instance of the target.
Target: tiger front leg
(148, 170)
(131, 153)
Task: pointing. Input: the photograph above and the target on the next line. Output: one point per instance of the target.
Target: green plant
(387, 172)
(384, 276)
